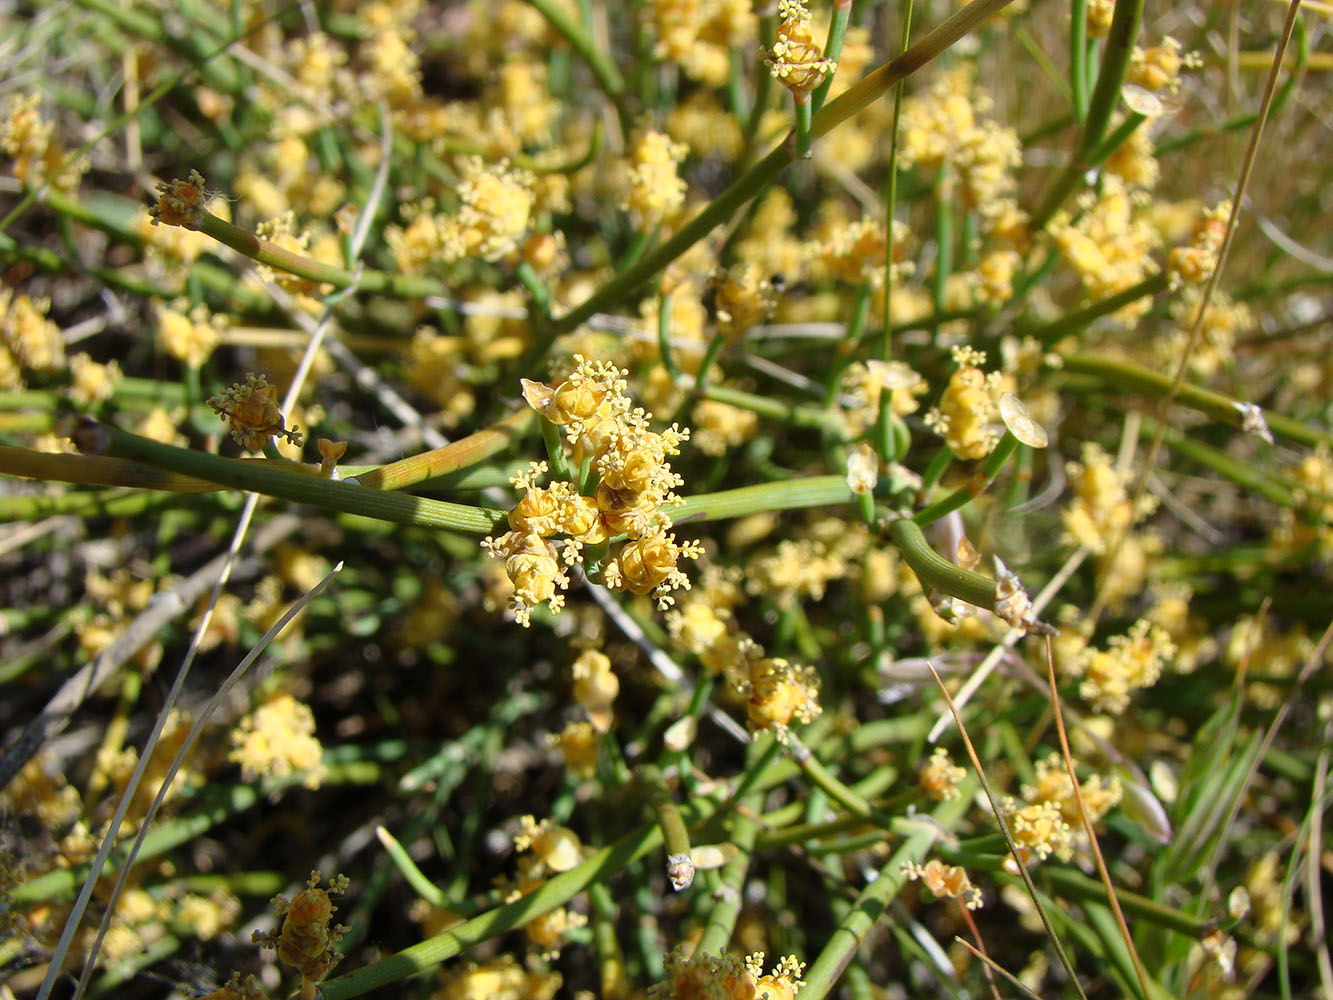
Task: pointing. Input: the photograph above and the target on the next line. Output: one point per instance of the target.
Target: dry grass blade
(1009, 840)
(238, 538)
(996, 967)
(90, 963)
(1087, 824)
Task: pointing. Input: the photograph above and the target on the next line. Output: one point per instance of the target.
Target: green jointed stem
(974, 487)
(676, 839)
(1072, 323)
(731, 897)
(837, 33)
(664, 337)
(452, 457)
(856, 98)
(1246, 474)
(598, 61)
(791, 494)
(1126, 375)
(933, 570)
(64, 883)
(802, 130)
(1078, 58)
(420, 884)
(776, 409)
(277, 480)
(263, 252)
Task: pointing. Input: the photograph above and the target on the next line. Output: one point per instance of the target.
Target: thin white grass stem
(993, 658)
(297, 607)
(164, 607)
(238, 539)
(1087, 824)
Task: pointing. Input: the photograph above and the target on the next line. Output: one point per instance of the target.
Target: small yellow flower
(182, 203)
(305, 941)
(556, 847)
(278, 739)
(795, 58)
(941, 777)
(945, 880)
(656, 191)
(252, 414)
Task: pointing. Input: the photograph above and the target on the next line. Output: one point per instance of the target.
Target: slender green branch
(287, 482)
(791, 494)
(263, 252)
(679, 867)
(933, 570)
(459, 454)
(1245, 474)
(1072, 323)
(601, 64)
(837, 34)
(1125, 375)
(851, 931)
(1078, 58)
(421, 885)
(776, 409)
(974, 487)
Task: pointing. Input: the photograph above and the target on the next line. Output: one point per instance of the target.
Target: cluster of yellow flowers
(1130, 663)
(305, 941)
(774, 691)
(946, 127)
(188, 333)
(278, 739)
(252, 414)
(1109, 246)
(795, 59)
(743, 297)
(1314, 479)
(547, 848)
(494, 214)
(945, 880)
(941, 777)
(1051, 821)
(28, 340)
(655, 190)
(699, 35)
(595, 687)
(635, 485)
(27, 138)
(1101, 510)
(500, 978)
(1158, 67)
(727, 977)
(1195, 262)
(968, 412)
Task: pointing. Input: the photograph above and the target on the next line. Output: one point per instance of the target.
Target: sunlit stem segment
(974, 487)
(459, 454)
(287, 482)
